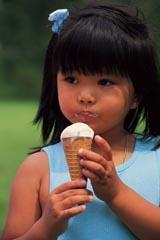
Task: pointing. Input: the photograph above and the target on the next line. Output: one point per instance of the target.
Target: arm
(24, 210)
(27, 220)
(141, 216)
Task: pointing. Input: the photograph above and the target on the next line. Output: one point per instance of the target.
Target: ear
(134, 103)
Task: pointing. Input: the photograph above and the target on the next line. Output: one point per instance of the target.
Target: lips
(86, 116)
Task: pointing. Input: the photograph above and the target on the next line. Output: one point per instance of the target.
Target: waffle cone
(71, 147)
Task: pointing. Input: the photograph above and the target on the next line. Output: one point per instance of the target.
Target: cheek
(116, 107)
(65, 101)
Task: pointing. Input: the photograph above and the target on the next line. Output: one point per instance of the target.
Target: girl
(100, 69)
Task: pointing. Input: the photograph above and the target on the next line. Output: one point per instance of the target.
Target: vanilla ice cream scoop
(77, 130)
(74, 137)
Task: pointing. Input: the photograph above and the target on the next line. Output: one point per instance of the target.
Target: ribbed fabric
(141, 172)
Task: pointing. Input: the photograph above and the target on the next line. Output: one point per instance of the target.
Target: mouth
(86, 116)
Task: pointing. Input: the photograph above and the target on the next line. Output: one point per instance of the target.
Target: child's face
(101, 101)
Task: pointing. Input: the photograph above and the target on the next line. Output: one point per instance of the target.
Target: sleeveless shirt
(141, 173)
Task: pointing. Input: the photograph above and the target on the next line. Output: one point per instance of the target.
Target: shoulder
(147, 144)
(148, 150)
(37, 164)
(39, 161)
(31, 172)
(34, 163)
(29, 180)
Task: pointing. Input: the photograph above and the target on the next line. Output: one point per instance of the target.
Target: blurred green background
(24, 35)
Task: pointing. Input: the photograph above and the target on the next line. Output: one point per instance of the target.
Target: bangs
(88, 48)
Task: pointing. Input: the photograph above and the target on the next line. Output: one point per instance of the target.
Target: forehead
(91, 50)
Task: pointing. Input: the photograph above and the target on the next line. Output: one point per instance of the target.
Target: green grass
(17, 137)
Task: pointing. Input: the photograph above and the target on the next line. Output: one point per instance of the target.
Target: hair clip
(58, 17)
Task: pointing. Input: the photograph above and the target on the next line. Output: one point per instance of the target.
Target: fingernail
(91, 198)
(81, 161)
(98, 137)
(83, 207)
(80, 151)
(83, 182)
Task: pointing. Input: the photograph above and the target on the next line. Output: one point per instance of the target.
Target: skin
(102, 102)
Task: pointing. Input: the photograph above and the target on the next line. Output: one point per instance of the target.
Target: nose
(86, 98)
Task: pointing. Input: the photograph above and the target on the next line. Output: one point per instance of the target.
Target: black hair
(102, 38)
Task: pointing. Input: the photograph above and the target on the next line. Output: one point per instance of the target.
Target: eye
(71, 80)
(105, 82)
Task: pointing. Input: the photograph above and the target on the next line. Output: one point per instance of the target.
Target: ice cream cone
(74, 137)
(71, 147)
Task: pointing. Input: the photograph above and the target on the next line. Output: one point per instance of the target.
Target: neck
(122, 145)
(115, 137)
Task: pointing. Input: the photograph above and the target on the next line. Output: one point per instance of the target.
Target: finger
(73, 211)
(92, 176)
(70, 185)
(92, 156)
(93, 167)
(104, 147)
(75, 192)
(76, 200)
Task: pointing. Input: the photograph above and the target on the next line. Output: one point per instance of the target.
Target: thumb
(104, 147)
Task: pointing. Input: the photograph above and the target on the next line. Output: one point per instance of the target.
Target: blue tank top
(141, 172)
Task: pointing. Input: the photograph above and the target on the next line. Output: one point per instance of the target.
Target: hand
(100, 169)
(64, 202)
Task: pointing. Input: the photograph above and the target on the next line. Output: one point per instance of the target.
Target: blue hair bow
(58, 17)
